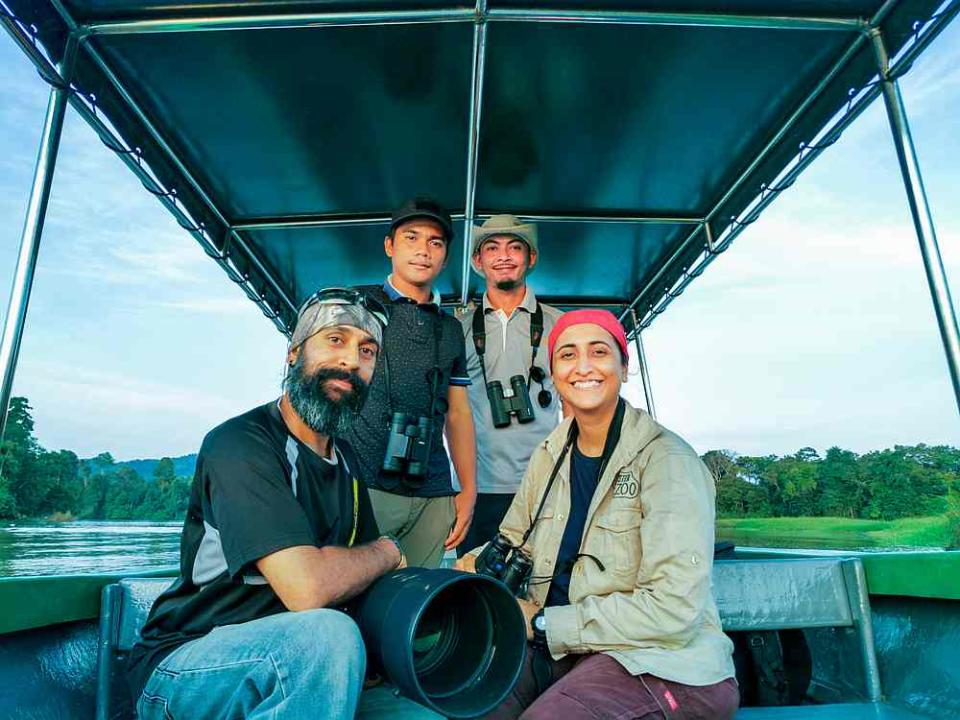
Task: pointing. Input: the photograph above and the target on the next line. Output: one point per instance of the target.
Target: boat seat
(124, 607)
(762, 594)
(806, 593)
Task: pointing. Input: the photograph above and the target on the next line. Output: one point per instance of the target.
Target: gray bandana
(320, 315)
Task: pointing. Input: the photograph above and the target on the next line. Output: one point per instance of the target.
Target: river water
(39, 548)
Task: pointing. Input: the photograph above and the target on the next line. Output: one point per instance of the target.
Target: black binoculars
(508, 564)
(501, 408)
(408, 446)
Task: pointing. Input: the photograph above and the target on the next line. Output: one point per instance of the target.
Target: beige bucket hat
(503, 225)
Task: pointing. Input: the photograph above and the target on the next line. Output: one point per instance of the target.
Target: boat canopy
(642, 136)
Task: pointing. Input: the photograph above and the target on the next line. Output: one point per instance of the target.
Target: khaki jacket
(651, 524)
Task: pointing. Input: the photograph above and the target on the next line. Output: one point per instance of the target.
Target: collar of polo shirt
(529, 302)
(395, 294)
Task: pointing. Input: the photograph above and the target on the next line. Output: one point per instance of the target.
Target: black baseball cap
(423, 207)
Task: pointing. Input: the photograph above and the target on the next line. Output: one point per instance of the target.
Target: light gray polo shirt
(503, 453)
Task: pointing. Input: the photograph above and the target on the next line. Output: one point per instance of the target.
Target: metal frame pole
(338, 220)
(480, 14)
(642, 361)
(32, 230)
(473, 142)
(920, 210)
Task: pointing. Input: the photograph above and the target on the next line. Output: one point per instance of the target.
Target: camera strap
(609, 445)
(480, 338)
(571, 437)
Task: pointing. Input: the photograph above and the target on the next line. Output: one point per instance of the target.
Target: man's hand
(529, 610)
(463, 452)
(393, 547)
(468, 563)
(306, 576)
(463, 503)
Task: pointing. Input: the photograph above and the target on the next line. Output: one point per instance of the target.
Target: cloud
(114, 392)
(92, 410)
(214, 305)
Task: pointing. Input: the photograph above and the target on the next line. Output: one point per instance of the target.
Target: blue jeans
(290, 666)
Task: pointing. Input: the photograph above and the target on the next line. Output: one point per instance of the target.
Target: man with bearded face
(279, 534)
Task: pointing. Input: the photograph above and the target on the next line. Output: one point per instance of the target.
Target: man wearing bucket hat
(512, 397)
(277, 523)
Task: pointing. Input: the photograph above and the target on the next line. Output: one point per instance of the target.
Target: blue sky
(815, 328)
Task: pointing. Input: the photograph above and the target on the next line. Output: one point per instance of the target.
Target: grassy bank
(835, 533)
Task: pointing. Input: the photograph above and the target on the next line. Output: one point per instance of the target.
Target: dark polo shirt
(408, 344)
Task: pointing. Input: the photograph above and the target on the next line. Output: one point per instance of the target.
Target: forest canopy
(905, 481)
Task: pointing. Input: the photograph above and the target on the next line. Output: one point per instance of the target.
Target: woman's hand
(468, 563)
(529, 610)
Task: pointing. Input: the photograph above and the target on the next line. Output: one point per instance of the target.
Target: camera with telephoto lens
(408, 447)
(452, 641)
(501, 408)
(508, 564)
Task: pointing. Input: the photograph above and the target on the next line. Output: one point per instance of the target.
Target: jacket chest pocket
(617, 541)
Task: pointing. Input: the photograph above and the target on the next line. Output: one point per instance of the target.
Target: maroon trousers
(597, 687)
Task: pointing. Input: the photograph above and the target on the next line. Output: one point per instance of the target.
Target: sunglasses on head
(347, 296)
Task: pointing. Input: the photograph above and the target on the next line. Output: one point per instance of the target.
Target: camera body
(508, 564)
(501, 408)
(408, 445)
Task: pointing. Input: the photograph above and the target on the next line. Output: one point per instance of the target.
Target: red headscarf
(604, 318)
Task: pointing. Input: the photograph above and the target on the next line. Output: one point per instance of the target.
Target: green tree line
(39, 483)
(905, 481)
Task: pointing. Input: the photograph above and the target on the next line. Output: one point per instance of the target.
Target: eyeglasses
(347, 296)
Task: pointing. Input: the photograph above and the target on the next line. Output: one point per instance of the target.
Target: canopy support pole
(642, 361)
(473, 140)
(32, 230)
(920, 210)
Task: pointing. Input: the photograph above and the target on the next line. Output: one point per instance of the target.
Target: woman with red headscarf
(617, 516)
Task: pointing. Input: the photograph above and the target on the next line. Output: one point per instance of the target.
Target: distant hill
(182, 466)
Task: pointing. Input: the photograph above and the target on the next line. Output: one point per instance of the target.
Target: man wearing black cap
(418, 393)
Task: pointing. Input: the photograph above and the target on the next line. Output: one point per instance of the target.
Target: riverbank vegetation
(910, 495)
(39, 483)
(836, 533)
(899, 497)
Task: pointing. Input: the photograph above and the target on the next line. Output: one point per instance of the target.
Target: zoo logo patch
(625, 485)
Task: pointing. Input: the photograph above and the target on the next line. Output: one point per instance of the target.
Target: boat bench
(807, 594)
(763, 594)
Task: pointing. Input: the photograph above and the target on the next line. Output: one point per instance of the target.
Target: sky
(814, 329)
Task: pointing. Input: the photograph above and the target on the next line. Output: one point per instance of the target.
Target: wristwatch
(539, 624)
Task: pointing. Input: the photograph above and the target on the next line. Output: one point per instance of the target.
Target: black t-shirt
(584, 476)
(417, 338)
(256, 490)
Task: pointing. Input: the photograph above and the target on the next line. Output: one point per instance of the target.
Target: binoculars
(508, 564)
(501, 408)
(452, 641)
(408, 446)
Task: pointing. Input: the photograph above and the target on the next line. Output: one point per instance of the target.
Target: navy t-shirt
(584, 476)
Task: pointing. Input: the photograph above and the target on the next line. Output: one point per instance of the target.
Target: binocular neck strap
(480, 338)
(609, 445)
(434, 374)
